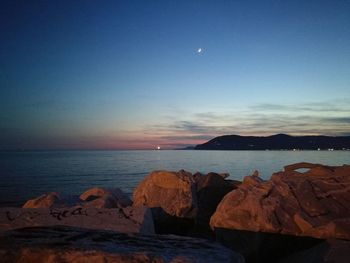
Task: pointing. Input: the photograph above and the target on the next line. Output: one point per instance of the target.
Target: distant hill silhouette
(276, 142)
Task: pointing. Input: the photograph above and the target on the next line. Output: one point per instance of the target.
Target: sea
(28, 174)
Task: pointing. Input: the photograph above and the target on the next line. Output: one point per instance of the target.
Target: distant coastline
(276, 142)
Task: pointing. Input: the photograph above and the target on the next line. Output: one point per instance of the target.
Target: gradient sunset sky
(128, 74)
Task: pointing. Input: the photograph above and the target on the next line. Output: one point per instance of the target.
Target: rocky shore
(301, 214)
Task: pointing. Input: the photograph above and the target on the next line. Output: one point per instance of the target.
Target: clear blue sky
(128, 74)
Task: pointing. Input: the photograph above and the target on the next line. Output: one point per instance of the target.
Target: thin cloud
(188, 137)
(345, 120)
(337, 106)
(261, 119)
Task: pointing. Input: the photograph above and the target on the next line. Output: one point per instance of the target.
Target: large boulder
(44, 201)
(182, 203)
(174, 192)
(66, 244)
(123, 220)
(315, 203)
(172, 198)
(305, 206)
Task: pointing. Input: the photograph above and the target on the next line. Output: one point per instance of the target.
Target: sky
(141, 74)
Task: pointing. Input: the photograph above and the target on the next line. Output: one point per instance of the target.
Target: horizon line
(180, 147)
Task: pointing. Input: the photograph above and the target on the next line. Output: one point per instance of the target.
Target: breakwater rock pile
(301, 214)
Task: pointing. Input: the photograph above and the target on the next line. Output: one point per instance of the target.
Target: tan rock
(314, 203)
(44, 201)
(109, 197)
(303, 224)
(224, 175)
(302, 165)
(174, 192)
(123, 220)
(106, 201)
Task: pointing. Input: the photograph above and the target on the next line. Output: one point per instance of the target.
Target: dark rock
(211, 188)
(169, 224)
(333, 250)
(65, 244)
(263, 247)
(234, 183)
(197, 176)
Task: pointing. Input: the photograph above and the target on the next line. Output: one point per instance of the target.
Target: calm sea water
(25, 175)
